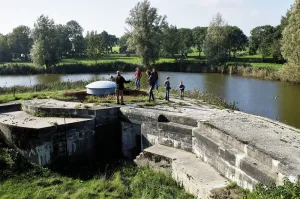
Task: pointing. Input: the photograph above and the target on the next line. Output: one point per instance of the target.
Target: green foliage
(171, 41)
(291, 45)
(4, 49)
(261, 39)
(215, 42)
(199, 34)
(45, 49)
(185, 41)
(37, 53)
(23, 180)
(76, 38)
(64, 43)
(287, 191)
(95, 45)
(291, 36)
(236, 39)
(20, 42)
(123, 43)
(145, 35)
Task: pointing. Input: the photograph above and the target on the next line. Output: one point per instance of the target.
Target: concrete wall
(232, 156)
(155, 128)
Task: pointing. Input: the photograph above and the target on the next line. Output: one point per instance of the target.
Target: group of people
(152, 77)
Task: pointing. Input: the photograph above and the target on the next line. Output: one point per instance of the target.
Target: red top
(138, 74)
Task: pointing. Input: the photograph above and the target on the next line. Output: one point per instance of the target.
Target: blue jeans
(156, 84)
(137, 83)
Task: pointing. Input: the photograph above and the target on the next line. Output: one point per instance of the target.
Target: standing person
(168, 87)
(138, 76)
(119, 86)
(151, 80)
(181, 88)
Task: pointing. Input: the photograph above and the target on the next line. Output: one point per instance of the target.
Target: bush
(290, 72)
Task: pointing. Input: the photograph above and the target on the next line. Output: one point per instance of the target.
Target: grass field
(254, 60)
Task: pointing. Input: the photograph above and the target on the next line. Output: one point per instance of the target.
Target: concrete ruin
(202, 147)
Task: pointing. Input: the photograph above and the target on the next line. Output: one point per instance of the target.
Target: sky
(110, 15)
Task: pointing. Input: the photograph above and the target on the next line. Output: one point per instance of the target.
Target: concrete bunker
(178, 143)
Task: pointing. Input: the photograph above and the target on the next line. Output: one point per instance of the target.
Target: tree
(171, 41)
(37, 53)
(261, 39)
(112, 41)
(105, 39)
(46, 45)
(20, 42)
(5, 54)
(95, 45)
(122, 42)
(236, 39)
(186, 41)
(199, 34)
(145, 34)
(291, 37)
(277, 37)
(76, 37)
(64, 43)
(215, 41)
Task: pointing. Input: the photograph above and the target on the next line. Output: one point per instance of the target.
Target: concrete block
(195, 176)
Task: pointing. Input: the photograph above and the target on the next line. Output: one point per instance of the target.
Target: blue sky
(110, 15)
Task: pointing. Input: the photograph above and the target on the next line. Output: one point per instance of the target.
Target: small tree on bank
(145, 32)
(215, 41)
(45, 50)
(291, 45)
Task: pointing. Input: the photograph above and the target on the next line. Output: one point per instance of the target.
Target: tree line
(149, 36)
(47, 43)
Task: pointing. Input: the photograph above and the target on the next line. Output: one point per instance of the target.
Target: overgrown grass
(20, 179)
(287, 191)
(207, 98)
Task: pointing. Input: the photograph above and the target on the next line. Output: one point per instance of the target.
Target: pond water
(276, 100)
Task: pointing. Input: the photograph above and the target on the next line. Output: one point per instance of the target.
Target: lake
(272, 99)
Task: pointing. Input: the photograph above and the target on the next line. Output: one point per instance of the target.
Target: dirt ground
(81, 95)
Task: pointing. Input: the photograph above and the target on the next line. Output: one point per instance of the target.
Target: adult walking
(151, 80)
(120, 81)
(138, 76)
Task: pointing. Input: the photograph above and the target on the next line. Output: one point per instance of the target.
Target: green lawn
(255, 60)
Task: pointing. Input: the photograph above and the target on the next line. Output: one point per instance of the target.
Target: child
(181, 88)
(168, 87)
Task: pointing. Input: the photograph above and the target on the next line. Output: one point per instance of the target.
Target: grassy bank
(20, 179)
(58, 91)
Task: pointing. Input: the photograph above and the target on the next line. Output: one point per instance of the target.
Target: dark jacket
(167, 85)
(120, 81)
(181, 87)
(152, 79)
